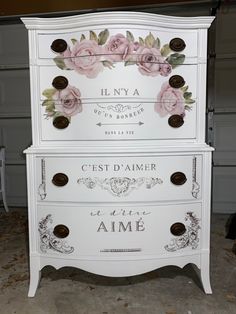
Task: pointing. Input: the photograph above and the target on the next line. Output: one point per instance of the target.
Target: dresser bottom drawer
(116, 232)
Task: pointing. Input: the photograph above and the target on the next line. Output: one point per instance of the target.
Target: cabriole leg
(35, 275)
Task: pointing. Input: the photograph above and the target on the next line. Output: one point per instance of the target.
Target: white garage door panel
(224, 139)
(13, 45)
(224, 200)
(225, 36)
(225, 92)
(15, 136)
(14, 93)
(16, 185)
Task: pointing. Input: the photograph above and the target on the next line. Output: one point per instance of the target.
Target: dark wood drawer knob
(59, 45)
(61, 231)
(176, 81)
(60, 179)
(178, 178)
(175, 121)
(61, 122)
(178, 229)
(177, 44)
(60, 82)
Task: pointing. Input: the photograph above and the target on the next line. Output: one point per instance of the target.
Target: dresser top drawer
(111, 44)
(135, 26)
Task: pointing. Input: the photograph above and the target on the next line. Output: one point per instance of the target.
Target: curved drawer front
(117, 43)
(119, 232)
(120, 104)
(119, 179)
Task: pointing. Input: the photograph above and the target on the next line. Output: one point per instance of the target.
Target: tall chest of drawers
(118, 173)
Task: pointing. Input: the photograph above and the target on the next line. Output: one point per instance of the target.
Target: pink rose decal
(118, 48)
(96, 51)
(170, 101)
(84, 58)
(150, 62)
(165, 68)
(67, 101)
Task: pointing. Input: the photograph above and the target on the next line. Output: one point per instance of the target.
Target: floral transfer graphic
(189, 238)
(65, 102)
(89, 56)
(120, 186)
(172, 101)
(48, 241)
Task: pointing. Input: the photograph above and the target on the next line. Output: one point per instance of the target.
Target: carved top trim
(118, 18)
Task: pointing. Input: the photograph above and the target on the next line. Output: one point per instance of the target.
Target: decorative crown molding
(117, 18)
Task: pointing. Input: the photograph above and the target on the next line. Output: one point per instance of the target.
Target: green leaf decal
(60, 63)
(108, 64)
(175, 59)
(184, 88)
(189, 101)
(187, 95)
(129, 36)
(74, 41)
(102, 37)
(130, 62)
(141, 41)
(93, 36)
(165, 50)
(149, 40)
(82, 37)
(45, 103)
(156, 43)
(187, 107)
(49, 93)
(50, 107)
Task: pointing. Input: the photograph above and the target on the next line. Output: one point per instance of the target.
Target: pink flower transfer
(98, 50)
(85, 58)
(170, 101)
(118, 48)
(151, 63)
(67, 101)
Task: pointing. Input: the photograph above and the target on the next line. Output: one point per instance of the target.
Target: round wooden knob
(175, 121)
(61, 122)
(60, 179)
(178, 229)
(176, 81)
(60, 82)
(59, 45)
(61, 231)
(178, 178)
(177, 44)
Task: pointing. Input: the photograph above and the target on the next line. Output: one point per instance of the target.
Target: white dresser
(119, 173)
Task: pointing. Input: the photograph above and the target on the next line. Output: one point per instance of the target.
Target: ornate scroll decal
(119, 186)
(189, 238)
(42, 187)
(48, 241)
(195, 185)
(119, 108)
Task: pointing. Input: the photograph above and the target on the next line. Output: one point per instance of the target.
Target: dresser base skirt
(121, 267)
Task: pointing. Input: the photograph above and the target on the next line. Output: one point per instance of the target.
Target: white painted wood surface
(224, 116)
(15, 125)
(113, 209)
